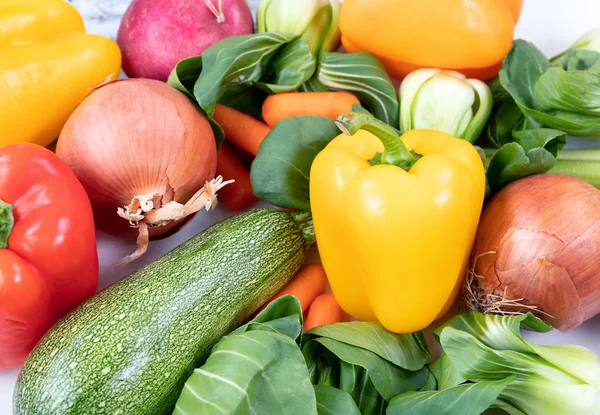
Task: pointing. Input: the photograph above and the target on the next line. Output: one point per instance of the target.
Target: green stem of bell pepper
(394, 152)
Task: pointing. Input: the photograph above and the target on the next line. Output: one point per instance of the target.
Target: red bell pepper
(48, 256)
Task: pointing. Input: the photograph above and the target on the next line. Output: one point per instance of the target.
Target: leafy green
(250, 373)
(389, 379)
(547, 379)
(366, 361)
(564, 97)
(537, 104)
(283, 316)
(431, 383)
(258, 367)
(363, 75)
(467, 399)
(445, 374)
(238, 62)
(240, 71)
(332, 401)
(532, 152)
(408, 351)
(281, 170)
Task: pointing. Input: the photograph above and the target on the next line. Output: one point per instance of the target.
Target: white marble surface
(551, 24)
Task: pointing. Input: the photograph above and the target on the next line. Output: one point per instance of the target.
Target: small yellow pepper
(395, 219)
(48, 65)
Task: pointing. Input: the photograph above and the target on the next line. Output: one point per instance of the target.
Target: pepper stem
(394, 152)
(7, 222)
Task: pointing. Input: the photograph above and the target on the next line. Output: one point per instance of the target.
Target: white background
(551, 24)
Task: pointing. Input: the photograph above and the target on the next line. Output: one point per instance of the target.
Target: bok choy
(487, 363)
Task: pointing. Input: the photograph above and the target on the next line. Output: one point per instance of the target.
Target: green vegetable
(364, 76)
(565, 97)
(542, 102)
(234, 68)
(532, 151)
(130, 349)
(589, 41)
(332, 401)
(256, 369)
(444, 100)
(549, 380)
(281, 170)
(467, 399)
(316, 19)
(366, 361)
(260, 368)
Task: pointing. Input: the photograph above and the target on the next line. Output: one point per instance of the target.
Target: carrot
(241, 129)
(323, 310)
(236, 196)
(306, 285)
(327, 104)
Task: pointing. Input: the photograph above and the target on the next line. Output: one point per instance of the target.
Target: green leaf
(234, 64)
(445, 374)
(284, 315)
(506, 118)
(504, 333)
(540, 387)
(431, 383)
(388, 379)
(468, 399)
(408, 351)
(291, 68)
(7, 222)
(332, 401)
(184, 75)
(363, 75)
(522, 67)
(564, 97)
(498, 332)
(254, 372)
(356, 381)
(280, 172)
(313, 85)
(531, 152)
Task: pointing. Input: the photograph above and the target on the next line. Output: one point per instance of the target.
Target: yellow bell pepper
(48, 65)
(395, 219)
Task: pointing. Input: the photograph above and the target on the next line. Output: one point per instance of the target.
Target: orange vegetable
(241, 129)
(472, 37)
(236, 196)
(324, 310)
(308, 283)
(292, 104)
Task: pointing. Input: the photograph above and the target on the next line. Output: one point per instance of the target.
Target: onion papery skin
(137, 137)
(538, 244)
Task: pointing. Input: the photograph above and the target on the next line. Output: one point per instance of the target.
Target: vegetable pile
(414, 163)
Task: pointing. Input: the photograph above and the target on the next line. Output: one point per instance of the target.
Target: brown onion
(145, 156)
(538, 249)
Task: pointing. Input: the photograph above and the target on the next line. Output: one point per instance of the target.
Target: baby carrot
(308, 283)
(327, 104)
(241, 129)
(236, 196)
(323, 310)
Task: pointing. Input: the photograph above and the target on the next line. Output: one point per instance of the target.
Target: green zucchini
(130, 348)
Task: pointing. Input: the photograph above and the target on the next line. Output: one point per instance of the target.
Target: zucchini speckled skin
(129, 349)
